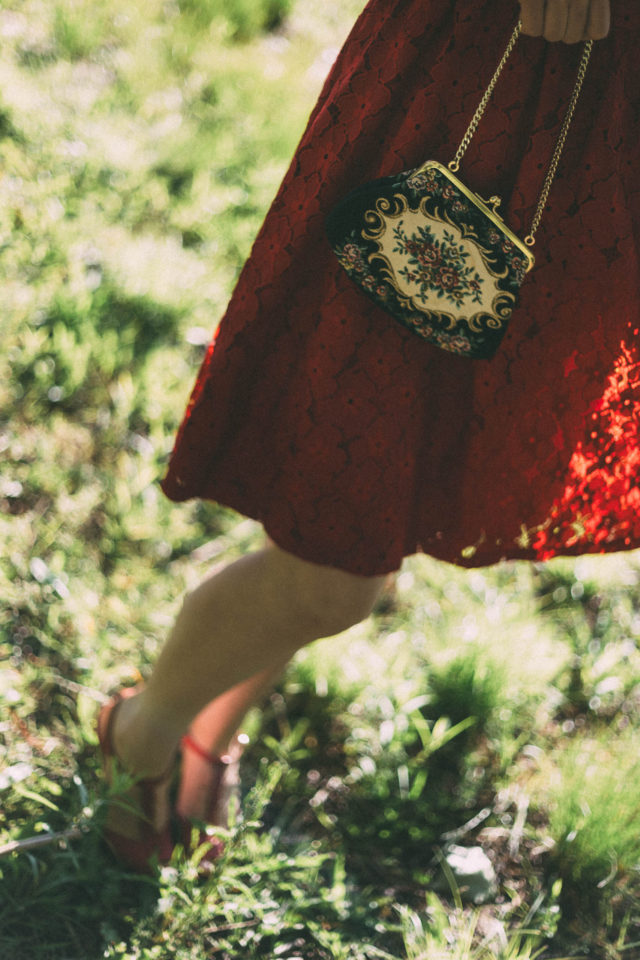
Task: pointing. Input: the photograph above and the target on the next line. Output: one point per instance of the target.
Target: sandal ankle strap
(212, 758)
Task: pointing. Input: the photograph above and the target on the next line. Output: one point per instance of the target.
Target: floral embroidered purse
(434, 254)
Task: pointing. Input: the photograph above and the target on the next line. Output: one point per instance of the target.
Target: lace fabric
(354, 442)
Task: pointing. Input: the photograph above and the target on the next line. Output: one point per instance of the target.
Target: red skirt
(356, 443)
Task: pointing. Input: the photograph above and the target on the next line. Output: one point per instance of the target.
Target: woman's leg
(213, 730)
(235, 632)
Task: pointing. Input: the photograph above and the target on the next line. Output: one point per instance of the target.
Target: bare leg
(245, 621)
(213, 729)
(214, 726)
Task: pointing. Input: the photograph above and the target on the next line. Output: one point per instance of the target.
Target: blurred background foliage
(140, 146)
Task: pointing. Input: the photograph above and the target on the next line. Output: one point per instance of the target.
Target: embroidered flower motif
(456, 341)
(351, 252)
(437, 267)
(448, 278)
(424, 183)
(352, 257)
(519, 266)
(458, 344)
(429, 255)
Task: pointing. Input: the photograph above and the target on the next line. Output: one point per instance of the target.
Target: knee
(327, 601)
(327, 604)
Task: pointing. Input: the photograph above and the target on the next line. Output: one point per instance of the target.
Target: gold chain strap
(568, 117)
(454, 164)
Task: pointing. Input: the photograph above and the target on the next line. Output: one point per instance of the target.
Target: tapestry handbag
(433, 253)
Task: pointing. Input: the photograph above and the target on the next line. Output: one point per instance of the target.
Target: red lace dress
(355, 442)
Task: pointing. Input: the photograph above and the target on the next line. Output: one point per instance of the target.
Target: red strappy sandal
(222, 792)
(139, 853)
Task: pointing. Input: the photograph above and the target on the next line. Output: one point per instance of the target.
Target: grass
(495, 708)
(593, 849)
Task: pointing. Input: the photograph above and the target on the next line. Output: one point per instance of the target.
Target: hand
(568, 20)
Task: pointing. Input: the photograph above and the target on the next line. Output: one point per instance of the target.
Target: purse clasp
(493, 202)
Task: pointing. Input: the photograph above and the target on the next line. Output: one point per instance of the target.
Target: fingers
(599, 20)
(570, 21)
(577, 24)
(556, 18)
(532, 17)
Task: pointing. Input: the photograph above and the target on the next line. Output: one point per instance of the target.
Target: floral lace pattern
(354, 442)
(600, 503)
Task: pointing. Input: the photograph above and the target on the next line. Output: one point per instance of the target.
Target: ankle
(145, 744)
(213, 743)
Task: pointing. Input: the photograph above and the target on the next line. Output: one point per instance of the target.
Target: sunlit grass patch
(443, 933)
(593, 797)
(79, 30)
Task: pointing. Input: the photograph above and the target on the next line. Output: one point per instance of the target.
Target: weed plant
(494, 708)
